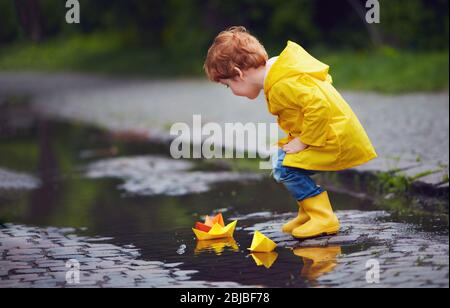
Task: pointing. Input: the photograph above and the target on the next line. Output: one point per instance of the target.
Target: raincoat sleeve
(309, 100)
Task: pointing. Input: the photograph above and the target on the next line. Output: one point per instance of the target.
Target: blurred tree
(29, 13)
(8, 22)
(293, 20)
(415, 24)
(372, 29)
(179, 26)
(183, 34)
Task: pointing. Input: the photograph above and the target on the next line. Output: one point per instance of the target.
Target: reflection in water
(60, 154)
(47, 198)
(318, 261)
(266, 259)
(217, 246)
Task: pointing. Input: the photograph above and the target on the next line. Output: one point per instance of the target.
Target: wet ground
(124, 209)
(409, 131)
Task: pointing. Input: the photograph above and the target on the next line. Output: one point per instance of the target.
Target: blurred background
(86, 110)
(407, 51)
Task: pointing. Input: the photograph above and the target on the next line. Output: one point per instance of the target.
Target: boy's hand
(295, 146)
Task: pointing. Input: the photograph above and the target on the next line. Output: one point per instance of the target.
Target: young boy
(323, 132)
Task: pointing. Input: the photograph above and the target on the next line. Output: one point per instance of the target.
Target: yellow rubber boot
(301, 218)
(322, 220)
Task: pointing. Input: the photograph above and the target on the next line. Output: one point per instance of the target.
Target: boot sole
(325, 233)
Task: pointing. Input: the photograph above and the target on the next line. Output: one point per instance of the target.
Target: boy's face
(241, 86)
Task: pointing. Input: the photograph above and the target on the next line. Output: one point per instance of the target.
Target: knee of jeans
(281, 174)
(277, 174)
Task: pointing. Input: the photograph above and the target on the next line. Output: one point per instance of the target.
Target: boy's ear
(240, 73)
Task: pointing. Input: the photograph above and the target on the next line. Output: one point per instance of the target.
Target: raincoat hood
(293, 61)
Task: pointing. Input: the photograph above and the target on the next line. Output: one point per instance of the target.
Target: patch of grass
(390, 183)
(103, 53)
(235, 165)
(20, 155)
(386, 70)
(423, 174)
(389, 70)
(62, 53)
(245, 164)
(389, 191)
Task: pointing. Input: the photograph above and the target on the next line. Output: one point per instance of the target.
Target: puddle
(14, 180)
(37, 257)
(131, 195)
(156, 175)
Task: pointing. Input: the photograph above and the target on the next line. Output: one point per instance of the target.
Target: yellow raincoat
(300, 93)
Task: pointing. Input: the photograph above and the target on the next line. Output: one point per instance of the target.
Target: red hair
(234, 47)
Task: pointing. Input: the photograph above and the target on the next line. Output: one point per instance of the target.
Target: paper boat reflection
(218, 246)
(266, 259)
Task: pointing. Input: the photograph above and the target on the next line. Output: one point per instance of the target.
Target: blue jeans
(296, 180)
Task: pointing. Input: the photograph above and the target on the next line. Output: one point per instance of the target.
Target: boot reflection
(318, 261)
(217, 246)
(267, 259)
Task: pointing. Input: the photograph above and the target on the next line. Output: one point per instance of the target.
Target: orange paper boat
(211, 221)
(217, 229)
(202, 227)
